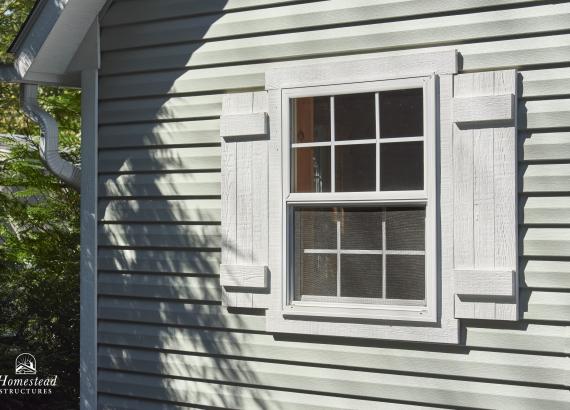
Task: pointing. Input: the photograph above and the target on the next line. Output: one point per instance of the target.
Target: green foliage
(39, 237)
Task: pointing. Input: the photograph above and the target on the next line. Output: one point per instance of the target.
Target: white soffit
(51, 43)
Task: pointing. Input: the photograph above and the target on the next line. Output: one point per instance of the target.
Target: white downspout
(49, 141)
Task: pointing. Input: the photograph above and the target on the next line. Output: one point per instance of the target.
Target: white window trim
(344, 70)
(426, 197)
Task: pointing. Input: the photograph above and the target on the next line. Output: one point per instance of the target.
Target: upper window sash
(417, 196)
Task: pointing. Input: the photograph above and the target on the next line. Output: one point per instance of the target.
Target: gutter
(49, 142)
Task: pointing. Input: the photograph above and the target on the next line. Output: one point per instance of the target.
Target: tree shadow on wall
(163, 334)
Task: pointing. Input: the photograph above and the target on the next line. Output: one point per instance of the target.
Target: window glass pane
(354, 116)
(405, 277)
(317, 274)
(355, 168)
(401, 166)
(405, 229)
(311, 169)
(401, 113)
(315, 228)
(361, 276)
(361, 228)
(311, 119)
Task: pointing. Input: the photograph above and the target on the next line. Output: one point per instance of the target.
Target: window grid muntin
(378, 140)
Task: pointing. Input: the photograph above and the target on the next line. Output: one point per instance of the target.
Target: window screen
(375, 254)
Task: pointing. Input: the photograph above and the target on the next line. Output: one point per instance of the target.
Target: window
(359, 200)
(365, 197)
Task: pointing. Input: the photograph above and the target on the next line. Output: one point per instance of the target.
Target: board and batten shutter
(244, 133)
(485, 195)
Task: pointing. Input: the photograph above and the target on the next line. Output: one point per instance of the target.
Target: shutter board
(243, 273)
(485, 195)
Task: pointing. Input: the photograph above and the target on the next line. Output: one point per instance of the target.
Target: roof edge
(26, 27)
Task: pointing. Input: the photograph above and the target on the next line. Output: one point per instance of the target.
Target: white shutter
(244, 131)
(485, 195)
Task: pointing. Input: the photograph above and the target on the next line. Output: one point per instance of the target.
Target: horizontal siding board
(160, 235)
(156, 159)
(550, 146)
(401, 34)
(528, 337)
(105, 401)
(159, 261)
(546, 242)
(545, 114)
(278, 400)
(159, 134)
(176, 313)
(545, 178)
(159, 210)
(479, 56)
(129, 11)
(160, 185)
(546, 274)
(289, 18)
(545, 83)
(348, 382)
(505, 366)
(159, 286)
(159, 108)
(546, 210)
(547, 306)
(226, 396)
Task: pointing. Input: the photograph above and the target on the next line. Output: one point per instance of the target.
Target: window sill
(360, 312)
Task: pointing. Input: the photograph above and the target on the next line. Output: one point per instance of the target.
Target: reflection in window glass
(355, 168)
(311, 119)
(401, 113)
(401, 166)
(354, 116)
(311, 169)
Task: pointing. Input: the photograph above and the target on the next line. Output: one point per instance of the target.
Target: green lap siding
(164, 339)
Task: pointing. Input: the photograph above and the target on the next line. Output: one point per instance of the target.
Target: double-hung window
(359, 200)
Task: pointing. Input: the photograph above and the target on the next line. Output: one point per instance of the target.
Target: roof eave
(48, 41)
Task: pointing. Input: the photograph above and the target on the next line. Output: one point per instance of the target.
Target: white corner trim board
(485, 109)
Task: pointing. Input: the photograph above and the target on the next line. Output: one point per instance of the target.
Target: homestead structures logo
(25, 364)
(23, 383)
